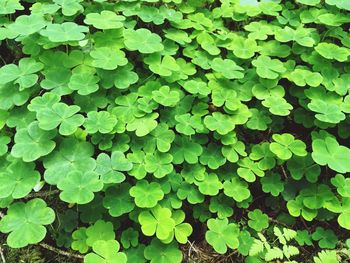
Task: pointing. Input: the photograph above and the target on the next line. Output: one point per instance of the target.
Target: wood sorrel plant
(163, 122)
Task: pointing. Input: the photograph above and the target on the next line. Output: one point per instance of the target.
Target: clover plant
(136, 130)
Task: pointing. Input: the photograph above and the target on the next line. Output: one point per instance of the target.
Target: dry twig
(42, 194)
(2, 256)
(61, 252)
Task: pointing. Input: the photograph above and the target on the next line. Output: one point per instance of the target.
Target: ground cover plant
(170, 131)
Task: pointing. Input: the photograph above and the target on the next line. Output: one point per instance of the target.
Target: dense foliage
(163, 123)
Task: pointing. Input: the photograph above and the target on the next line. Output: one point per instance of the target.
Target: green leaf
(130, 238)
(231, 151)
(325, 238)
(164, 66)
(104, 20)
(158, 221)
(304, 166)
(100, 230)
(188, 124)
(211, 185)
(343, 217)
(328, 152)
(191, 193)
(300, 35)
(18, 179)
(228, 68)
(84, 81)
(170, 252)
(23, 74)
(163, 137)
(197, 87)
(237, 189)
(125, 76)
(212, 157)
(248, 170)
(220, 123)
(342, 184)
(303, 77)
(220, 204)
(277, 106)
(79, 240)
(182, 230)
(146, 194)
(332, 51)
(272, 183)
(105, 252)
(9, 7)
(67, 31)
(221, 235)
(274, 253)
(71, 155)
(315, 196)
(159, 164)
(244, 48)
(285, 145)
(25, 25)
(143, 41)
(342, 4)
(31, 143)
(166, 97)
(258, 220)
(326, 112)
(25, 222)
(118, 201)
(262, 153)
(101, 121)
(110, 168)
(268, 68)
(78, 187)
(143, 126)
(326, 256)
(60, 114)
(184, 149)
(4, 141)
(107, 58)
(260, 120)
(309, 2)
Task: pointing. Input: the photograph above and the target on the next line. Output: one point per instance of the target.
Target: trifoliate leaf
(285, 146)
(67, 31)
(79, 187)
(228, 68)
(332, 51)
(146, 194)
(105, 252)
(31, 143)
(18, 179)
(268, 68)
(143, 40)
(328, 152)
(107, 58)
(157, 222)
(258, 220)
(104, 20)
(25, 222)
(101, 121)
(222, 234)
(62, 115)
